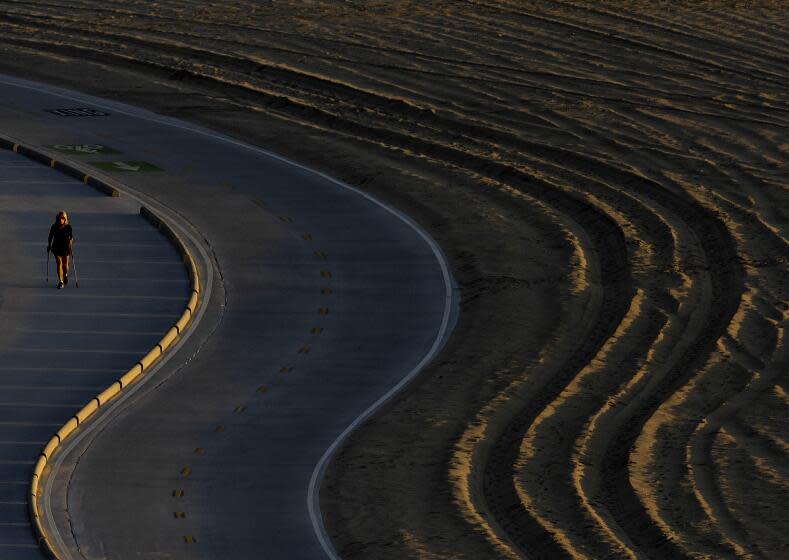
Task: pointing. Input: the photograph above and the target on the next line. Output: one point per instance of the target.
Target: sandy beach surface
(609, 182)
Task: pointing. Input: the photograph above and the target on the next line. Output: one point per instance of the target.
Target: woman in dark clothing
(60, 243)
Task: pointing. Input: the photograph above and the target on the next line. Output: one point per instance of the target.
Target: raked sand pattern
(609, 181)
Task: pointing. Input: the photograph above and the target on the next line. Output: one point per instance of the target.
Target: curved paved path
(60, 348)
(325, 301)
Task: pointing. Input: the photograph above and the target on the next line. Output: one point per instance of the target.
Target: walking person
(60, 244)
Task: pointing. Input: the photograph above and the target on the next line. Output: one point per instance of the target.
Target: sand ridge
(608, 180)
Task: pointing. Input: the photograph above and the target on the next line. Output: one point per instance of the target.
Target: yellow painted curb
(87, 410)
(150, 358)
(50, 447)
(183, 321)
(168, 339)
(130, 375)
(108, 393)
(67, 428)
(139, 368)
(192, 305)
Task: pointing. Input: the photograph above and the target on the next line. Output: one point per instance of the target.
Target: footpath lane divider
(140, 368)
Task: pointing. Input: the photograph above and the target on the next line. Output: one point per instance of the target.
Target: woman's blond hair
(59, 214)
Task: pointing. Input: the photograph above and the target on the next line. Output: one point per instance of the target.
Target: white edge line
(313, 497)
(313, 491)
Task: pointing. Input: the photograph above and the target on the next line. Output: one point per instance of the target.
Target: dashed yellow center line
(219, 428)
(199, 451)
(179, 514)
(304, 349)
(186, 471)
(325, 274)
(316, 330)
(323, 311)
(239, 408)
(262, 389)
(178, 493)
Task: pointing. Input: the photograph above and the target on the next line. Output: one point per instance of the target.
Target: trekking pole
(47, 265)
(76, 276)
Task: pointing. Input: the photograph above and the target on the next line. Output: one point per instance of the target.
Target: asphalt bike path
(60, 348)
(325, 302)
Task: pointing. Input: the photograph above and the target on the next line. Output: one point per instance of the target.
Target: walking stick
(76, 276)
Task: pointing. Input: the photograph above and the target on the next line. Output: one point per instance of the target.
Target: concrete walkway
(324, 302)
(59, 348)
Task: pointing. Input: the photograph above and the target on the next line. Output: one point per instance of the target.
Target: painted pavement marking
(125, 166)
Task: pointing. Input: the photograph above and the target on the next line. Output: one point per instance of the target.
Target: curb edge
(139, 368)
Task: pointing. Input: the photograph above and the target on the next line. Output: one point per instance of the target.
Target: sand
(609, 181)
